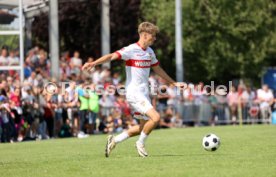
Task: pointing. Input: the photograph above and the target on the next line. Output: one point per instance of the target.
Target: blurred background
(199, 41)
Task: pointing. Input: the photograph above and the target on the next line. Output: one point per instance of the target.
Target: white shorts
(140, 104)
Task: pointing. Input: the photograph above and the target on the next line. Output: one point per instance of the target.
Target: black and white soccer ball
(211, 142)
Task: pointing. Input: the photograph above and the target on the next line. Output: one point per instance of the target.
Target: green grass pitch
(245, 151)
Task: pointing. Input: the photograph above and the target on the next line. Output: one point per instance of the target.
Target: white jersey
(138, 64)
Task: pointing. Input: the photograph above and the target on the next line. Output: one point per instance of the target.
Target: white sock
(142, 138)
(121, 137)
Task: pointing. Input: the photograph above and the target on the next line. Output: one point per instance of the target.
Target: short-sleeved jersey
(138, 64)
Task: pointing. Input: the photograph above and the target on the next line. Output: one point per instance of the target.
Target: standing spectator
(44, 64)
(232, 99)
(83, 96)
(252, 105)
(172, 98)
(4, 89)
(49, 115)
(32, 79)
(88, 74)
(56, 104)
(245, 102)
(105, 75)
(206, 110)
(162, 96)
(10, 83)
(198, 92)
(188, 104)
(27, 68)
(76, 63)
(71, 100)
(116, 79)
(96, 75)
(28, 114)
(265, 98)
(222, 110)
(15, 105)
(93, 109)
(107, 102)
(34, 55)
(6, 117)
(39, 109)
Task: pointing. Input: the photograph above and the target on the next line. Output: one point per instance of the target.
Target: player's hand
(88, 66)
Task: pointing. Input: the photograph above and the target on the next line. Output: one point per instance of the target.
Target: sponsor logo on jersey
(138, 63)
(143, 63)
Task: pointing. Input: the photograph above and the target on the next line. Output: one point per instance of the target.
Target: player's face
(148, 38)
(151, 38)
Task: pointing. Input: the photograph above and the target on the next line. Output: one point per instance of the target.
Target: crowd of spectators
(42, 108)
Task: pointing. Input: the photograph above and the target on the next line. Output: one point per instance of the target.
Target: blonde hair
(148, 28)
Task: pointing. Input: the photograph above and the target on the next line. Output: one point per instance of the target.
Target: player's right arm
(106, 58)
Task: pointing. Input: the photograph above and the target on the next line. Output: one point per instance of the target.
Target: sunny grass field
(248, 151)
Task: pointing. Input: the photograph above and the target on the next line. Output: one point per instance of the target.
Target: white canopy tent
(34, 7)
(10, 4)
(20, 4)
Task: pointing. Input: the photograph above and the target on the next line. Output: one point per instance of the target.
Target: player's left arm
(103, 59)
(158, 70)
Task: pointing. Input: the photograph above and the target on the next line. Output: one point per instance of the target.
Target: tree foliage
(12, 42)
(80, 26)
(222, 39)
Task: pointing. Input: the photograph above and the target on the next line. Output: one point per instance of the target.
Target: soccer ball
(211, 142)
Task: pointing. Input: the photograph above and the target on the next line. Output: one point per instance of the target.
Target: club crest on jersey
(150, 55)
(141, 54)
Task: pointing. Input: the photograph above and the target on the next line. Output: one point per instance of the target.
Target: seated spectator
(166, 121)
(117, 121)
(65, 130)
(13, 60)
(109, 125)
(129, 122)
(3, 56)
(114, 122)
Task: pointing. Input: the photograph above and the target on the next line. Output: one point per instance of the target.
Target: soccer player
(139, 58)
